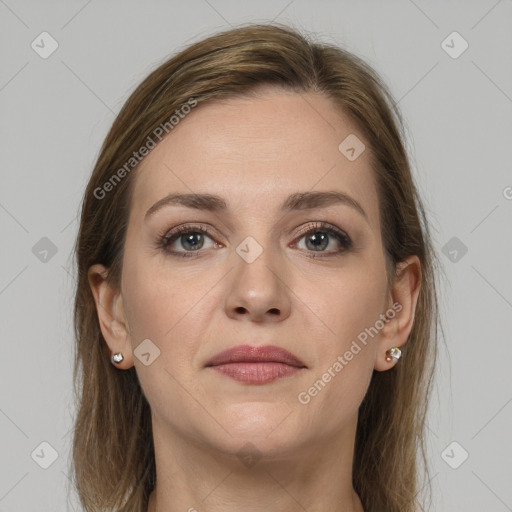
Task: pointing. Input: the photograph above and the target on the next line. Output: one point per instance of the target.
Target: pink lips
(256, 365)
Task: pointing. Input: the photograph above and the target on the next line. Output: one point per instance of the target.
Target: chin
(260, 447)
(269, 426)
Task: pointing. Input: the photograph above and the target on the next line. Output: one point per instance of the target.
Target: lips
(247, 364)
(252, 354)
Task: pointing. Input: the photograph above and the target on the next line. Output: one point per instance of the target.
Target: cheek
(345, 306)
(162, 308)
(346, 312)
(157, 298)
(171, 307)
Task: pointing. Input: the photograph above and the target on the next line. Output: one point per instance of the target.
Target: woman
(256, 305)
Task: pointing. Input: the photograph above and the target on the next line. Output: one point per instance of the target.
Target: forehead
(258, 150)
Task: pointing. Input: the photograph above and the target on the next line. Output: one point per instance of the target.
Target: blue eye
(318, 237)
(191, 240)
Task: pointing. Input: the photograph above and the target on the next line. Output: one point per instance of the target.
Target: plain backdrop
(455, 92)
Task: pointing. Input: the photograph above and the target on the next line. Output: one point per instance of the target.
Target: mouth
(256, 365)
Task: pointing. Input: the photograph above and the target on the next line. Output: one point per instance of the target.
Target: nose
(258, 289)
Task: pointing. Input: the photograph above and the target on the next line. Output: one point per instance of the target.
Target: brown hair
(113, 453)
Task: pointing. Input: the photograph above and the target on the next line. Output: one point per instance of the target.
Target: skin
(254, 152)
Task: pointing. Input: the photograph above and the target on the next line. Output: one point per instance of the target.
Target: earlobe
(111, 316)
(404, 297)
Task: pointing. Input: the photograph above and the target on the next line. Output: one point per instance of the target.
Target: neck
(193, 477)
(354, 506)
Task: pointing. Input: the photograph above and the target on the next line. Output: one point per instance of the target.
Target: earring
(117, 358)
(393, 354)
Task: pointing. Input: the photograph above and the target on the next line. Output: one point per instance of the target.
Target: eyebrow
(296, 201)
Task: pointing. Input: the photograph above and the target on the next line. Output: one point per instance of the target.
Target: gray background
(56, 111)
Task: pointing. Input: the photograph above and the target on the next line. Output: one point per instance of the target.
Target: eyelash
(165, 239)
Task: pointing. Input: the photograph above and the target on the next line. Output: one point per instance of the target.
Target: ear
(403, 299)
(111, 315)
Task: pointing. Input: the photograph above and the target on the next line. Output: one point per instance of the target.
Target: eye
(318, 236)
(186, 240)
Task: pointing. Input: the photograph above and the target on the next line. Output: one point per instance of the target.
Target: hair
(113, 453)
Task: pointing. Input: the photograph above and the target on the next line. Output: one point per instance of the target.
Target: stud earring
(393, 354)
(117, 358)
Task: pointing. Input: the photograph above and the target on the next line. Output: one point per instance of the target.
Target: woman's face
(261, 275)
